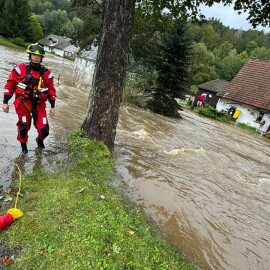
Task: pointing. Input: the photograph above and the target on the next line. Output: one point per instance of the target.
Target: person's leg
(24, 121)
(41, 124)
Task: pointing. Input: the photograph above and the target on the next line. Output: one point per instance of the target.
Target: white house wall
(248, 114)
(71, 50)
(58, 51)
(83, 71)
(47, 48)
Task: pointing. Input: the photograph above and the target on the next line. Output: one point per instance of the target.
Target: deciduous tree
(35, 30)
(53, 21)
(230, 65)
(261, 53)
(89, 27)
(202, 67)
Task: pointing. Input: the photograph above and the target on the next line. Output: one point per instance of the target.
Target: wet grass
(6, 42)
(247, 128)
(76, 220)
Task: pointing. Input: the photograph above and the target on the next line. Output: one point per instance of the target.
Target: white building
(84, 67)
(247, 96)
(59, 45)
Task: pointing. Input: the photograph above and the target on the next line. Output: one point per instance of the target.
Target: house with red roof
(247, 96)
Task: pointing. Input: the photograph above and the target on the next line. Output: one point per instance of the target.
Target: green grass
(247, 127)
(76, 220)
(4, 41)
(12, 43)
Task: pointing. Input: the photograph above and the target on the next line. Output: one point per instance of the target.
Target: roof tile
(214, 86)
(251, 86)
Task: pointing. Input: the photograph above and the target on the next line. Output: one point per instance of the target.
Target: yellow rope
(16, 213)
(20, 184)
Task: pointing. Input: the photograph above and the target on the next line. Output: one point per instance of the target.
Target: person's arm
(10, 88)
(51, 94)
(5, 107)
(7, 97)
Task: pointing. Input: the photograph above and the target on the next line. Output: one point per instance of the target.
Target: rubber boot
(24, 148)
(40, 143)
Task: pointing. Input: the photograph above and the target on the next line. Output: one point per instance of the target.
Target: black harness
(32, 83)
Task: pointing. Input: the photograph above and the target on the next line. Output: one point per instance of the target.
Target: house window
(259, 117)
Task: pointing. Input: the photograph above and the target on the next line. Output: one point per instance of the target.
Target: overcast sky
(229, 17)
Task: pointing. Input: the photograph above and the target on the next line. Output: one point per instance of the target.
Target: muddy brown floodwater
(203, 183)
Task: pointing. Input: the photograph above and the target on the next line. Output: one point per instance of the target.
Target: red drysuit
(32, 86)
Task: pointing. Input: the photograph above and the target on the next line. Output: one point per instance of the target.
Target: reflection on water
(205, 184)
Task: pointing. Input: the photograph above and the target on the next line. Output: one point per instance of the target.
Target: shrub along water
(211, 112)
(76, 220)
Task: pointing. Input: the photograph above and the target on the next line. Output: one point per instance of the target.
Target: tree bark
(106, 93)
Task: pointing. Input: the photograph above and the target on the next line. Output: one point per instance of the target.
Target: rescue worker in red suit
(32, 85)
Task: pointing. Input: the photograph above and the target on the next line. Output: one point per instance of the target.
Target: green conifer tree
(14, 18)
(172, 67)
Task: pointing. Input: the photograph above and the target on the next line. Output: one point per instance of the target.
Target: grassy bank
(76, 220)
(5, 41)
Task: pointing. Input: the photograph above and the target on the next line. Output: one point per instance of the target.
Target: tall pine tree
(14, 18)
(172, 67)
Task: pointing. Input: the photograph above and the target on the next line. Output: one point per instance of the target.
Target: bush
(164, 105)
(211, 112)
(246, 127)
(133, 95)
(18, 41)
(137, 88)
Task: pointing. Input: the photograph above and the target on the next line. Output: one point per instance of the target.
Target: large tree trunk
(106, 93)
